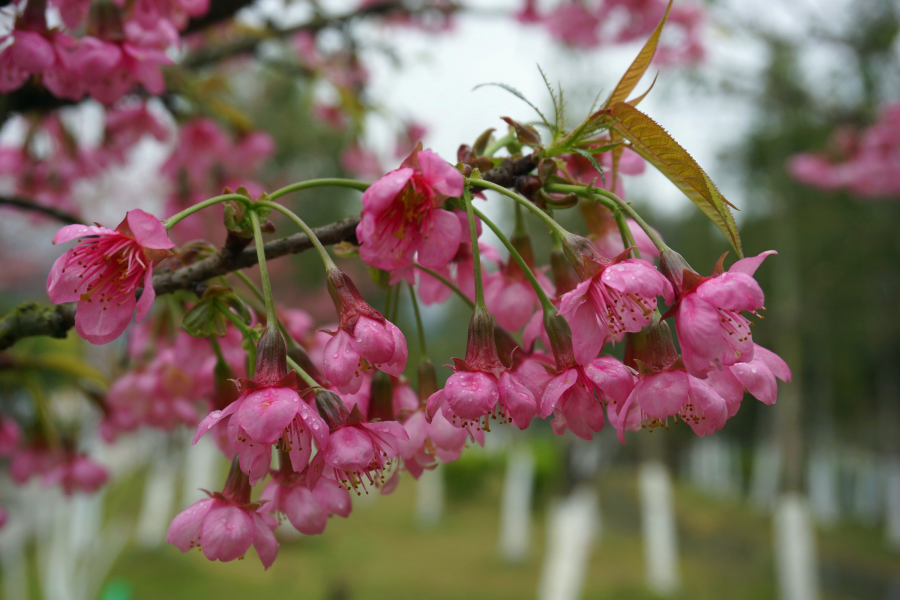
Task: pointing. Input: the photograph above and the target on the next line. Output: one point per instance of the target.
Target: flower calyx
(348, 302)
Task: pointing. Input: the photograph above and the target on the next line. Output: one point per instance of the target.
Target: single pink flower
(576, 395)
(756, 376)
(613, 298)
(481, 387)
(364, 337)
(289, 494)
(508, 294)
(269, 410)
(711, 329)
(358, 452)
(574, 25)
(663, 389)
(103, 271)
(667, 393)
(226, 524)
(76, 472)
(402, 215)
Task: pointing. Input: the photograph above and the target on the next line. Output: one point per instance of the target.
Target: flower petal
(440, 175)
(440, 243)
(227, 532)
(148, 231)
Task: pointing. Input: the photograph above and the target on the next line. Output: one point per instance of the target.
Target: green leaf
(518, 95)
(637, 69)
(656, 146)
(594, 163)
(204, 320)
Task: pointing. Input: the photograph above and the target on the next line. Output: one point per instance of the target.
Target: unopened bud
(481, 349)
(331, 408)
(652, 346)
(560, 335)
(237, 486)
(677, 270)
(583, 255)
(271, 357)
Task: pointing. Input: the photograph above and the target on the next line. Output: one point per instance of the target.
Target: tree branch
(25, 204)
(30, 319)
(213, 54)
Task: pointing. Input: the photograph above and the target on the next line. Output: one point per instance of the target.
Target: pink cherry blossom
(508, 294)
(573, 24)
(756, 376)
(358, 452)
(711, 329)
(289, 494)
(76, 472)
(166, 392)
(224, 529)
(363, 338)
(613, 299)
(402, 215)
(111, 69)
(481, 388)
(667, 393)
(269, 410)
(866, 163)
(576, 395)
(103, 271)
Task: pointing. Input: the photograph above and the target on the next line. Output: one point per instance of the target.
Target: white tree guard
(515, 505)
(796, 564)
(658, 527)
(430, 498)
(572, 527)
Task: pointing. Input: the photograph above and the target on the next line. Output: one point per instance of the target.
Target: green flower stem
(253, 336)
(492, 148)
(476, 254)
(323, 254)
(612, 202)
(271, 318)
(250, 285)
(249, 334)
(303, 374)
(313, 183)
(553, 225)
(546, 305)
(217, 349)
(519, 231)
(446, 282)
(625, 232)
(423, 352)
(175, 219)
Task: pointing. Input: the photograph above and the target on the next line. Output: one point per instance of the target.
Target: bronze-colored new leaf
(637, 69)
(653, 143)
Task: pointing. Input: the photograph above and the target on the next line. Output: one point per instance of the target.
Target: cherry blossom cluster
(587, 25)
(312, 413)
(865, 163)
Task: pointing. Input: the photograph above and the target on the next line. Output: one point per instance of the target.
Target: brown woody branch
(30, 205)
(30, 319)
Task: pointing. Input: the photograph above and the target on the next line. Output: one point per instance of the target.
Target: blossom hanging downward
(103, 271)
(364, 337)
(359, 452)
(711, 329)
(482, 388)
(269, 411)
(402, 215)
(614, 297)
(226, 524)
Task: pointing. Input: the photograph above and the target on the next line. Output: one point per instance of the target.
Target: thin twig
(31, 205)
(31, 319)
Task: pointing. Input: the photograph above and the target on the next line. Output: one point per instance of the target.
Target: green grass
(379, 553)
